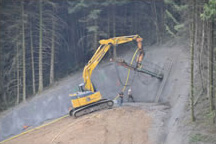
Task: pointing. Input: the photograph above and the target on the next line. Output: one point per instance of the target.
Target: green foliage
(94, 14)
(178, 27)
(209, 10)
(211, 115)
(92, 28)
(113, 2)
(197, 138)
(169, 31)
(52, 4)
(202, 138)
(175, 6)
(180, 7)
(168, 1)
(76, 6)
(171, 16)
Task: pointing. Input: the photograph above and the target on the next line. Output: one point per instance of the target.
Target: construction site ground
(155, 118)
(128, 124)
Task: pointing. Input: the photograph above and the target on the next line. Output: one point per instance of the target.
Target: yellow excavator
(88, 99)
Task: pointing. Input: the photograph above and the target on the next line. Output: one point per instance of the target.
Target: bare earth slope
(124, 125)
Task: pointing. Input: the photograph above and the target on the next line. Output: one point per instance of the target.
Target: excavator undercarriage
(96, 106)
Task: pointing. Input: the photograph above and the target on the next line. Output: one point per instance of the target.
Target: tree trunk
(52, 53)
(114, 31)
(108, 29)
(32, 61)
(135, 20)
(24, 53)
(192, 64)
(40, 87)
(125, 18)
(18, 76)
(156, 21)
(95, 37)
(214, 48)
(200, 55)
(210, 64)
(1, 71)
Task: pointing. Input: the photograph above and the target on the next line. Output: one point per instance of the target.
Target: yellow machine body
(84, 98)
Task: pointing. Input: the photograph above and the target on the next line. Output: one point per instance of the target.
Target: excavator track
(102, 104)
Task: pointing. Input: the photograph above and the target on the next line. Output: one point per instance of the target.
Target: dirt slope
(124, 125)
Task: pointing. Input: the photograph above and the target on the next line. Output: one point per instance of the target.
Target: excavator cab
(82, 87)
(84, 97)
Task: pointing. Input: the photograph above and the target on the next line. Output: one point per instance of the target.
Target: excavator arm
(88, 69)
(105, 45)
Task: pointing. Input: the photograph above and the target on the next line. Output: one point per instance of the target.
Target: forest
(42, 41)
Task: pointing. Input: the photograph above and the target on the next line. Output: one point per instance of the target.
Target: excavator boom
(101, 51)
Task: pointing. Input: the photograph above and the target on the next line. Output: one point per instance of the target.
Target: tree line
(203, 46)
(30, 33)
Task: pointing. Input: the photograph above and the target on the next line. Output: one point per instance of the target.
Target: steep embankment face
(54, 102)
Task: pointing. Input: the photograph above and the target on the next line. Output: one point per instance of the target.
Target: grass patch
(197, 138)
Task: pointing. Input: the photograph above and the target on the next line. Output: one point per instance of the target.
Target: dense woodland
(42, 41)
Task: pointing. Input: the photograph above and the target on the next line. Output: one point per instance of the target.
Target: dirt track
(124, 125)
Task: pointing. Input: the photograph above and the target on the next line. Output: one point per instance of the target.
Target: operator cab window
(82, 87)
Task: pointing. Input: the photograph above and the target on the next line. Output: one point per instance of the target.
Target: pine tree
(40, 87)
(192, 62)
(24, 53)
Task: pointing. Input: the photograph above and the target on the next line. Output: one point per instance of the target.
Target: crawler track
(102, 104)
